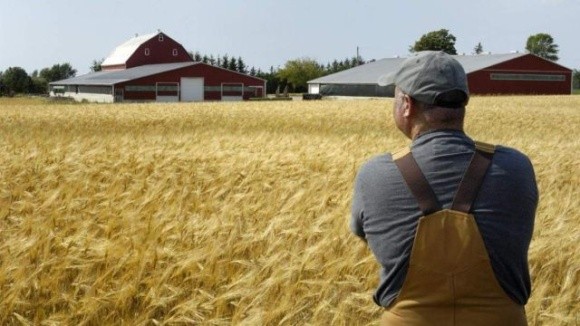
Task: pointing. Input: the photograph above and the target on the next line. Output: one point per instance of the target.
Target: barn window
(175, 52)
(528, 77)
(147, 52)
(160, 37)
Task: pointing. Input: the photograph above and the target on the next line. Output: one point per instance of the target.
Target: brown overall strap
(468, 187)
(473, 178)
(417, 182)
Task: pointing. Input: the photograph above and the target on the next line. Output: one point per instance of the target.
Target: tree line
(292, 77)
(15, 80)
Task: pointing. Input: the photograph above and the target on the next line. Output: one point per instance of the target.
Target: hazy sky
(35, 34)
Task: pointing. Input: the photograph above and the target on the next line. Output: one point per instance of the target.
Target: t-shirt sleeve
(357, 211)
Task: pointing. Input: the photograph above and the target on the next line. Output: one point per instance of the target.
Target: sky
(35, 34)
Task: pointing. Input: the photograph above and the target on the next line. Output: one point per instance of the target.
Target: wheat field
(237, 213)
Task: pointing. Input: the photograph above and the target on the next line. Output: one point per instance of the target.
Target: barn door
(119, 95)
(191, 89)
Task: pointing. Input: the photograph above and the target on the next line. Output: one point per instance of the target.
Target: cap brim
(388, 82)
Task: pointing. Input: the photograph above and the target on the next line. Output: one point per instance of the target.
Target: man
(449, 219)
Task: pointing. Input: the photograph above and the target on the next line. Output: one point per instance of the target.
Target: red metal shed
(510, 73)
(525, 74)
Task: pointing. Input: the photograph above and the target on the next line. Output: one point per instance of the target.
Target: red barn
(517, 73)
(511, 73)
(154, 67)
(145, 50)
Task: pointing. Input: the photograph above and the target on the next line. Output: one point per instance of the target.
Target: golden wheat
(237, 213)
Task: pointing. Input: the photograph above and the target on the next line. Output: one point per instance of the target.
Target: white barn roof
(369, 73)
(123, 52)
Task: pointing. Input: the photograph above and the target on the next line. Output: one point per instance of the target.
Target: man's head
(430, 77)
(430, 90)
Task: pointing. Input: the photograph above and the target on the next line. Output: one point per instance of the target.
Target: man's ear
(408, 106)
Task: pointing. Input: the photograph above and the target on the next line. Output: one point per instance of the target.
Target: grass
(237, 213)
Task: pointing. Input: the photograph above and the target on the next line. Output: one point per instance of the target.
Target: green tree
(299, 71)
(241, 66)
(576, 79)
(478, 49)
(542, 45)
(232, 65)
(16, 80)
(440, 40)
(272, 80)
(3, 89)
(225, 61)
(58, 72)
(38, 85)
(97, 65)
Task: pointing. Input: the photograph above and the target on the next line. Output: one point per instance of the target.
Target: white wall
(313, 88)
(99, 98)
(167, 98)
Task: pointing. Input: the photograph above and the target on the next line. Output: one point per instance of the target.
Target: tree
(335, 66)
(3, 89)
(478, 49)
(440, 40)
(232, 65)
(272, 80)
(225, 61)
(576, 79)
(241, 66)
(16, 80)
(58, 72)
(38, 85)
(542, 45)
(299, 71)
(97, 65)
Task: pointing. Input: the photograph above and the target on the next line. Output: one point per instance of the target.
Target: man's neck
(419, 130)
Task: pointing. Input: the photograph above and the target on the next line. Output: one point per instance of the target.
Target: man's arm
(357, 211)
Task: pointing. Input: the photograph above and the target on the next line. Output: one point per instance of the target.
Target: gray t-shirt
(385, 213)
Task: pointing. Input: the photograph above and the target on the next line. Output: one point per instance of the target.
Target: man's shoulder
(511, 155)
(378, 164)
(385, 159)
(502, 151)
(512, 164)
(377, 161)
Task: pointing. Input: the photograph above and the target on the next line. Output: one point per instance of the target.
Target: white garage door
(313, 88)
(191, 89)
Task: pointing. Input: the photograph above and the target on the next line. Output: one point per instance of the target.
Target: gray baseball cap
(432, 77)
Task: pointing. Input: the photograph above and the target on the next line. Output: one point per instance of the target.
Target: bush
(308, 96)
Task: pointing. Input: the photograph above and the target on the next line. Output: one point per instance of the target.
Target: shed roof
(109, 78)
(369, 73)
(123, 52)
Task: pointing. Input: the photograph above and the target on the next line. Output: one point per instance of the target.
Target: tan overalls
(450, 280)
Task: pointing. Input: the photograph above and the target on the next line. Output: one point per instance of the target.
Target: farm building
(513, 73)
(154, 67)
